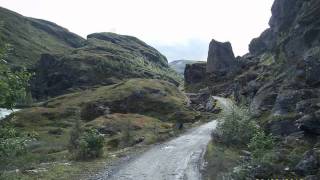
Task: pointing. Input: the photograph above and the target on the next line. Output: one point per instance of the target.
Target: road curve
(180, 158)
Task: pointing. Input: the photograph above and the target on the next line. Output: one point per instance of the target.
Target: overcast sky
(180, 29)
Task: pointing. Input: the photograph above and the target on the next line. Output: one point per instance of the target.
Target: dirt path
(180, 158)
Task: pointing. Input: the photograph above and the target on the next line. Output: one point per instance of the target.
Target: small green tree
(13, 84)
(12, 89)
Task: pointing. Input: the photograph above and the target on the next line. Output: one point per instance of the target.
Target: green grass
(156, 98)
(51, 151)
(31, 37)
(105, 54)
(58, 115)
(220, 160)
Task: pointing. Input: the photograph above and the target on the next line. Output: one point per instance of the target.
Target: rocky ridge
(279, 80)
(107, 58)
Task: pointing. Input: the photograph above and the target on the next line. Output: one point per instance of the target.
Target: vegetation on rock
(106, 59)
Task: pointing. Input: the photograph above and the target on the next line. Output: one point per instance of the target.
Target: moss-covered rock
(106, 58)
(155, 98)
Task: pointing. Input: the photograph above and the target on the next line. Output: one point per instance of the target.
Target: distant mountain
(180, 65)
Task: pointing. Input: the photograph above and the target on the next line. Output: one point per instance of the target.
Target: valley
(111, 106)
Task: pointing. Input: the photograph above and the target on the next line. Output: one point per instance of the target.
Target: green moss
(267, 59)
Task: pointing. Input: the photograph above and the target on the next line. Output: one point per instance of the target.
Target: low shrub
(90, 145)
(85, 144)
(261, 144)
(236, 127)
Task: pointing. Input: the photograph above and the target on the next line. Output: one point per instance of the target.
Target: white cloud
(158, 22)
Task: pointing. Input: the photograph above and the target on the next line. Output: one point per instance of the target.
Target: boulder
(264, 99)
(287, 99)
(282, 127)
(221, 59)
(307, 106)
(310, 124)
(202, 101)
(309, 164)
(108, 130)
(312, 67)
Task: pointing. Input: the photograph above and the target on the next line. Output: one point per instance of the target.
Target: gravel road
(178, 159)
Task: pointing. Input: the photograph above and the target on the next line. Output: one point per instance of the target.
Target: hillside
(107, 58)
(31, 37)
(65, 62)
(133, 112)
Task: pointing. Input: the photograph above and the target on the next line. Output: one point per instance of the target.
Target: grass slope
(142, 111)
(31, 37)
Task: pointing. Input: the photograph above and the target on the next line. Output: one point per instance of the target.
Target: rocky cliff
(281, 70)
(195, 76)
(279, 79)
(218, 72)
(287, 59)
(221, 60)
